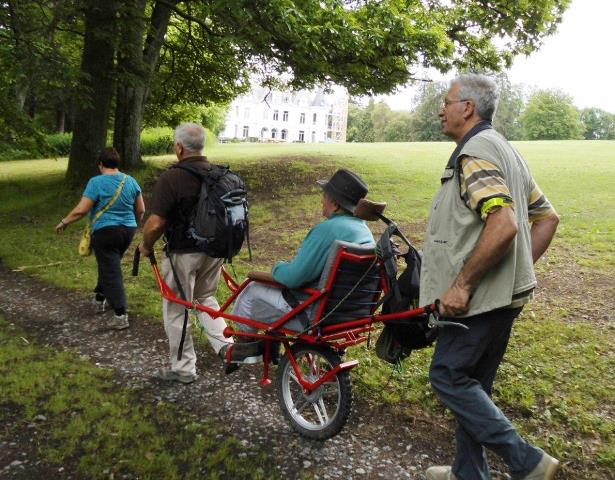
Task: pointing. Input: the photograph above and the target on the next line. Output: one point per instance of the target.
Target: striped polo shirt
(484, 190)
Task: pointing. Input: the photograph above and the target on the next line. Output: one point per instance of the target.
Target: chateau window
(275, 116)
(302, 118)
(285, 116)
(301, 135)
(284, 134)
(314, 118)
(246, 131)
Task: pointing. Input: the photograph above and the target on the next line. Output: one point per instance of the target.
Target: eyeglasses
(448, 102)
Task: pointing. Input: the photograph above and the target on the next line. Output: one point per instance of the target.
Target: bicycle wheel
(322, 413)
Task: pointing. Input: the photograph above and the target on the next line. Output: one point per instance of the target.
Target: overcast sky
(578, 59)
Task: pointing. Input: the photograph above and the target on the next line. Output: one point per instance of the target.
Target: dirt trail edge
(374, 444)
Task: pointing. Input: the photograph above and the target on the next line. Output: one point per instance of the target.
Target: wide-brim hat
(346, 188)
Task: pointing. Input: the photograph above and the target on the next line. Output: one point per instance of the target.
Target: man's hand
(146, 252)
(455, 301)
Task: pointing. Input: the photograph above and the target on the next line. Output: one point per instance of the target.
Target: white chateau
(265, 115)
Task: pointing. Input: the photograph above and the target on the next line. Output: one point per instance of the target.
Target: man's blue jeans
(462, 372)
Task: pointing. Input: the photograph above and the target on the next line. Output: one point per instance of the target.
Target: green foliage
(398, 128)
(598, 124)
(106, 431)
(39, 61)
(360, 127)
(60, 143)
(550, 115)
(211, 117)
(510, 106)
(425, 126)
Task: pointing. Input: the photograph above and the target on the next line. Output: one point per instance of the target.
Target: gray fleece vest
(453, 231)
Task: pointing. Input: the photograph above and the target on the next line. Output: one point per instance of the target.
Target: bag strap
(111, 202)
(182, 295)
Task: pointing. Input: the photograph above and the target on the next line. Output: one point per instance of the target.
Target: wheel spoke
(300, 404)
(321, 412)
(294, 377)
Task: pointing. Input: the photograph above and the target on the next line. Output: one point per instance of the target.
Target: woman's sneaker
(118, 322)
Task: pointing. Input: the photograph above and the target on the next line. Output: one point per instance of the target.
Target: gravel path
(374, 444)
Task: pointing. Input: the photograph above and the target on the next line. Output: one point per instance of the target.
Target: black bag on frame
(400, 337)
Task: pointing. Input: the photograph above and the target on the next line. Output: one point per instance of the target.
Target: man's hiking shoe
(118, 322)
(169, 375)
(440, 473)
(101, 305)
(545, 470)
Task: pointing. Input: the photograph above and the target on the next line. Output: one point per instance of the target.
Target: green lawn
(558, 381)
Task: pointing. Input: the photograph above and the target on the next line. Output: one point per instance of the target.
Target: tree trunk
(92, 114)
(137, 64)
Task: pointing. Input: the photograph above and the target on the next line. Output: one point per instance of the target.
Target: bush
(60, 143)
(154, 141)
(10, 153)
(157, 141)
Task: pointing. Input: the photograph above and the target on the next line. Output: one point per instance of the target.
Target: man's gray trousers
(462, 372)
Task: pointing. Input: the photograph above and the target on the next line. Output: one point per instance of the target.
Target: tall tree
(598, 124)
(97, 67)
(381, 116)
(550, 115)
(398, 129)
(510, 106)
(425, 124)
(141, 39)
(360, 127)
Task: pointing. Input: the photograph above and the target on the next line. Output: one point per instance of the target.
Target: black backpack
(219, 222)
(400, 337)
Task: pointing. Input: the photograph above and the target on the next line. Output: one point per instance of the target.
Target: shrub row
(154, 141)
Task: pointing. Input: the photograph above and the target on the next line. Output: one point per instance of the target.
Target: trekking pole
(135, 262)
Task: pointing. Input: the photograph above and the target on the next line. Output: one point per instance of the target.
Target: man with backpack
(488, 224)
(186, 267)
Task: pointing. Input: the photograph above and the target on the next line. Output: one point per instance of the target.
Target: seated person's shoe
(275, 352)
(233, 354)
(545, 470)
(440, 473)
(169, 375)
(227, 365)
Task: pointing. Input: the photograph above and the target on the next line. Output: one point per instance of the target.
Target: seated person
(265, 303)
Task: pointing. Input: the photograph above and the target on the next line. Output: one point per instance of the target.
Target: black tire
(324, 412)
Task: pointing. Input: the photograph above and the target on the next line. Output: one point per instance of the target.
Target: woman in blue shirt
(112, 231)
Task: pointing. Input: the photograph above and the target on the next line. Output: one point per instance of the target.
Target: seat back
(353, 282)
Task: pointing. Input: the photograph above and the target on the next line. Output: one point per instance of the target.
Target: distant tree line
(546, 115)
